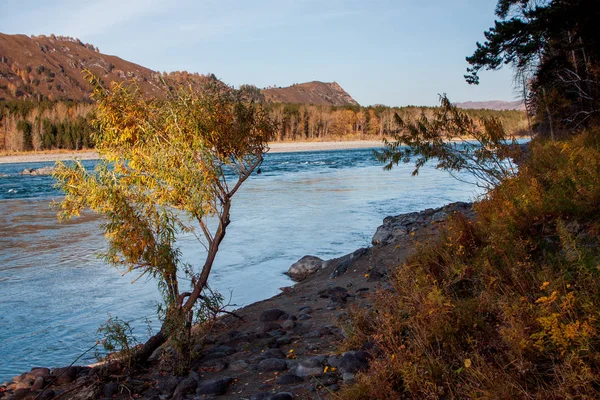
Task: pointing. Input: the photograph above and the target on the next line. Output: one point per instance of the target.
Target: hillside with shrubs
(505, 305)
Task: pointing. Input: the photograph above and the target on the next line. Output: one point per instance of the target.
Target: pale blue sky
(381, 51)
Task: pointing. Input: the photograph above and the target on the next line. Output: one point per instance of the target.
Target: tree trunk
(142, 355)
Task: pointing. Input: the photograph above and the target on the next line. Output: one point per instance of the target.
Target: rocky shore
(285, 347)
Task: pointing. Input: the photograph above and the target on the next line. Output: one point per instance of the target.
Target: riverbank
(278, 147)
(287, 347)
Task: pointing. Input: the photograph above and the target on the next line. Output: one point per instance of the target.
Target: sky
(392, 52)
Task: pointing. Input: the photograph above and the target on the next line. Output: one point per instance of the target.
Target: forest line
(38, 126)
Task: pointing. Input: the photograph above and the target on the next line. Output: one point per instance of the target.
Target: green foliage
(555, 50)
(25, 128)
(455, 143)
(118, 339)
(505, 306)
(53, 125)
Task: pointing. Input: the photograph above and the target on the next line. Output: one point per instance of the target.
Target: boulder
(340, 265)
(64, 375)
(167, 386)
(238, 366)
(288, 379)
(272, 353)
(394, 228)
(272, 365)
(349, 363)
(38, 171)
(110, 389)
(309, 368)
(271, 315)
(215, 387)
(188, 385)
(304, 267)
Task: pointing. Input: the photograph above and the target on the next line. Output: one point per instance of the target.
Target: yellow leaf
(467, 363)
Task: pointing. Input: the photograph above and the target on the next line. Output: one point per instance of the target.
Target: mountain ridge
(314, 92)
(497, 105)
(50, 67)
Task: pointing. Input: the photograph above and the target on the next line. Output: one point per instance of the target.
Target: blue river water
(55, 291)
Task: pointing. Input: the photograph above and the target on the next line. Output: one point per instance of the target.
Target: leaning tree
(168, 166)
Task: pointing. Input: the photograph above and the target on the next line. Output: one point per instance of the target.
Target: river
(55, 291)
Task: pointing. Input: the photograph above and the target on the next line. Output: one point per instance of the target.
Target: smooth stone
(272, 364)
(38, 171)
(270, 315)
(39, 383)
(304, 317)
(288, 379)
(309, 368)
(238, 366)
(288, 325)
(284, 317)
(282, 396)
(168, 385)
(110, 389)
(336, 294)
(188, 385)
(37, 372)
(320, 359)
(304, 267)
(349, 363)
(284, 340)
(272, 353)
(215, 387)
(25, 383)
(64, 375)
(269, 327)
(348, 378)
(21, 393)
(341, 265)
(363, 356)
(46, 395)
(333, 361)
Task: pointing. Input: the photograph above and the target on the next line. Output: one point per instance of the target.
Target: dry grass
(503, 307)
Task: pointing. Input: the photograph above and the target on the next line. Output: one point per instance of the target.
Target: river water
(55, 291)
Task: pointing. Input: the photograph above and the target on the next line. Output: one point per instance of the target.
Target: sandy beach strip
(284, 147)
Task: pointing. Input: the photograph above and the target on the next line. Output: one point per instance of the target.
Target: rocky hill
(50, 67)
(321, 93)
(493, 105)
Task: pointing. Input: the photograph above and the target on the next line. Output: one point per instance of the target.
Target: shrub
(505, 306)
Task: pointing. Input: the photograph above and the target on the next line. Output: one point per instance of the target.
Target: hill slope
(50, 67)
(493, 105)
(321, 93)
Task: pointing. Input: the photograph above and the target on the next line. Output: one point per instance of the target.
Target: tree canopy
(167, 166)
(554, 46)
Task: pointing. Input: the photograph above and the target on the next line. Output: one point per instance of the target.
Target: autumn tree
(456, 143)
(167, 167)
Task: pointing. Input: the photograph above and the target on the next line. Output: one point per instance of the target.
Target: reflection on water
(55, 292)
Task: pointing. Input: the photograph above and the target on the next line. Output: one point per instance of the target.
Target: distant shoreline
(278, 147)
